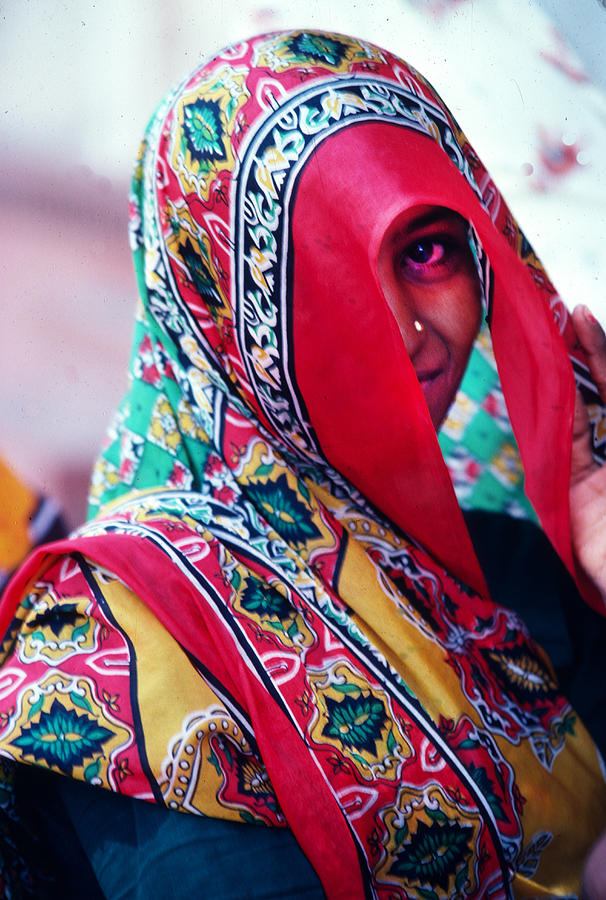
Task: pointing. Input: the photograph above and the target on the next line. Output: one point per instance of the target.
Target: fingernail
(589, 316)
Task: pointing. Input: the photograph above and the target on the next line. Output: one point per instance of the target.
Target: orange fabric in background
(17, 507)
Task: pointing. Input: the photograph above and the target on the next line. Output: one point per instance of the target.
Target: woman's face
(429, 279)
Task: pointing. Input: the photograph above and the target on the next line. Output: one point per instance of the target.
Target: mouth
(429, 377)
(435, 384)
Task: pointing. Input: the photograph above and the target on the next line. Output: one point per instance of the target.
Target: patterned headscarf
(274, 491)
(212, 213)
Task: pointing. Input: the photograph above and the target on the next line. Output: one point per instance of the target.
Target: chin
(439, 400)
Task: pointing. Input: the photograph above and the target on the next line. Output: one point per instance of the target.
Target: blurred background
(525, 78)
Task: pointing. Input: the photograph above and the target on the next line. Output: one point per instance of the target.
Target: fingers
(582, 462)
(592, 339)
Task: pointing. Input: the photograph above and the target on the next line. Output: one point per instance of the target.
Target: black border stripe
(133, 681)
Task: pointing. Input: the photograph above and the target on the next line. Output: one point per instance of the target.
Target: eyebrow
(434, 216)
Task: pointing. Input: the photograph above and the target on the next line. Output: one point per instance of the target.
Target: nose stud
(419, 326)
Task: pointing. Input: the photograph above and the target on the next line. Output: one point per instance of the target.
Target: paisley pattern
(241, 630)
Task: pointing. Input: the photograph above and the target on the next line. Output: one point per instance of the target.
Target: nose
(411, 324)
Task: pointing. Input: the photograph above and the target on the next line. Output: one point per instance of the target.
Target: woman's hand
(587, 479)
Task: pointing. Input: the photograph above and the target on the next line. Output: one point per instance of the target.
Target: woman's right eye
(431, 258)
(424, 252)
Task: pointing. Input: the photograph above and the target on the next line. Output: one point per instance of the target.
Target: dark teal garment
(58, 867)
(140, 851)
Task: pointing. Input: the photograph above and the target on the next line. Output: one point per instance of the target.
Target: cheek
(461, 312)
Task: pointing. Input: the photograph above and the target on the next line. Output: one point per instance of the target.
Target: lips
(435, 379)
(429, 376)
(431, 368)
(434, 385)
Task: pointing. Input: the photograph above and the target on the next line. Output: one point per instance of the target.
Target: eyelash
(447, 261)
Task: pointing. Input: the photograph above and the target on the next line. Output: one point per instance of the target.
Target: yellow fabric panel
(179, 711)
(420, 662)
(576, 780)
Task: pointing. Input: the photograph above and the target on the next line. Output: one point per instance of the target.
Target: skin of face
(429, 279)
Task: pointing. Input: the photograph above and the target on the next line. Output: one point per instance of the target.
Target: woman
(277, 615)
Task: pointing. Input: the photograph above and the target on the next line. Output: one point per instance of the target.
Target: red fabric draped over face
(356, 379)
